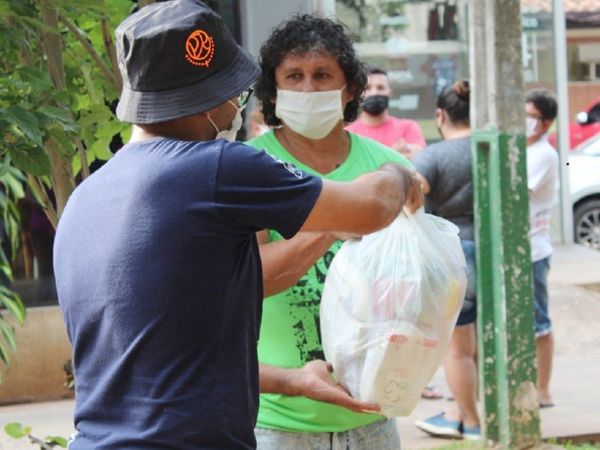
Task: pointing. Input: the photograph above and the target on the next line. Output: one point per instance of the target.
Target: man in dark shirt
(156, 262)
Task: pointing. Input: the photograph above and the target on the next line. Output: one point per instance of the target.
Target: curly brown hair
(300, 35)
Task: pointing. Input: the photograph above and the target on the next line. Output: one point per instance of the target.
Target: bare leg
(460, 368)
(544, 352)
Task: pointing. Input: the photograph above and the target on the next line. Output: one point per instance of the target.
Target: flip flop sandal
(430, 393)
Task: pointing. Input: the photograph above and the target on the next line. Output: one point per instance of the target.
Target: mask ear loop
(212, 123)
(238, 108)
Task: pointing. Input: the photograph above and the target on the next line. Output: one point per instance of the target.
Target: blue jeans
(543, 325)
(381, 435)
(468, 312)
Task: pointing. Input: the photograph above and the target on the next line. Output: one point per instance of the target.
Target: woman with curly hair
(311, 84)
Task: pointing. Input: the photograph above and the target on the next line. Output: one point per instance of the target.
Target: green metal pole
(505, 321)
(506, 345)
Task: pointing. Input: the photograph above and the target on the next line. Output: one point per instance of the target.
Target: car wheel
(587, 224)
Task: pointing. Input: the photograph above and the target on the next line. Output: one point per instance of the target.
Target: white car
(584, 180)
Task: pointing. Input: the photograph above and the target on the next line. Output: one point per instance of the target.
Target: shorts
(543, 325)
(468, 312)
(380, 435)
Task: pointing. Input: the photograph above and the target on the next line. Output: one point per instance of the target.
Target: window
(421, 44)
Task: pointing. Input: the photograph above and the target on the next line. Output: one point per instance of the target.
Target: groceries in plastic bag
(389, 306)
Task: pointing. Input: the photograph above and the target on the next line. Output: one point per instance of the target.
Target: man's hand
(412, 186)
(401, 147)
(406, 149)
(315, 381)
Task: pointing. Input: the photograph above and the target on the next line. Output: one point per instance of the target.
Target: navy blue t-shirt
(159, 278)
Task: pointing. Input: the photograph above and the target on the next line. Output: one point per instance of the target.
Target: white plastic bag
(389, 306)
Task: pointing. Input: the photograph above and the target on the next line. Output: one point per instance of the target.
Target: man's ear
(546, 124)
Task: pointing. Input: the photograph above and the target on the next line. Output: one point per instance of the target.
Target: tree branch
(52, 45)
(112, 54)
(85, 167)
(91, 51)
(41, 193)
(24, 53)
(63, 182)
(38, 441)
(61, 168)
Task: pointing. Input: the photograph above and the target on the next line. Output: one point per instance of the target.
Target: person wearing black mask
(375, 122)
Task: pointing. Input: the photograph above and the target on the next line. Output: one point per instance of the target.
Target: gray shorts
(381, 435)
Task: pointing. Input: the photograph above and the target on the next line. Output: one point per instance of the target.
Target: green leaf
(16, 430)
(9, 334)
(76, 164)
(13, 181)
(66, 143)
(56, 440)
(26, 122)
(13, 304)
(100, 148)
(126, 133)
(37, 79)
(103, 153)
(59, 114)
(4, 355)
(32, 160)
(4, 167)
(97, 116)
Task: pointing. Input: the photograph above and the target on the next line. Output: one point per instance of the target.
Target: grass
(462, 445)
(570, 446)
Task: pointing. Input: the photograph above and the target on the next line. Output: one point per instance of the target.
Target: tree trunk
(61, 169)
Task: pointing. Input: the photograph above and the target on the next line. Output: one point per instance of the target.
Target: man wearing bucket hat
(156, 261)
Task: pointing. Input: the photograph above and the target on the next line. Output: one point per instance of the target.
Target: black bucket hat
(177, 59)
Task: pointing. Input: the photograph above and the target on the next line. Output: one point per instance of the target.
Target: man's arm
(313, 381)
(412, 141)
(285, 261)
(367, 204)
(406, 149)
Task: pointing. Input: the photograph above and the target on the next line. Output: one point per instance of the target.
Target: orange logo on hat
(199, 48)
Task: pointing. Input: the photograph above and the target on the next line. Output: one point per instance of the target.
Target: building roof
(571, 6)
(579, 13)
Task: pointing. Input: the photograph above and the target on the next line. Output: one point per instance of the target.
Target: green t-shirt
(290, 332)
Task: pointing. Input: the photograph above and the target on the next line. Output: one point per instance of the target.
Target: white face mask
(311, 114)
(530, 126)
(231, 133)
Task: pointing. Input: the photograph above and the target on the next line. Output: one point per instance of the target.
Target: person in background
(446, 171)
(311, 83)
(542, 175)
(376, 122)
(156, 260)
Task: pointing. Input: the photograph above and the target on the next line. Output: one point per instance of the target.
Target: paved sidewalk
(575, 309)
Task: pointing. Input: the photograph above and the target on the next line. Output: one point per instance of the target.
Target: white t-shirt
(542, 176)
